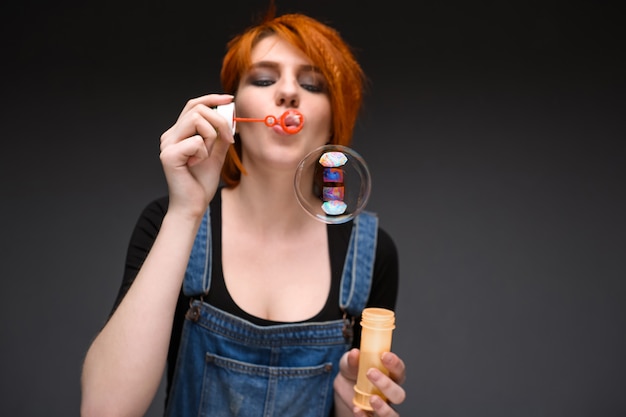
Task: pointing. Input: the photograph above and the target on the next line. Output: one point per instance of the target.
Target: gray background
(494, 132)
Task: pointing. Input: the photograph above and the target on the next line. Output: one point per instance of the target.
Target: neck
(267, 203)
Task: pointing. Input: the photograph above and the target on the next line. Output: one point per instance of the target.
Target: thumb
(349, 365)
(221, 146)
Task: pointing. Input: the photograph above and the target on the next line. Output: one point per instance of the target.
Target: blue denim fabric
(229, 367)
(198, 275)
(355, 291)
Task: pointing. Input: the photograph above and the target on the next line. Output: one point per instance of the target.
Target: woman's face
(281, 78)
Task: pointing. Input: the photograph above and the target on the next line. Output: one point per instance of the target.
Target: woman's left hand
(390, 385)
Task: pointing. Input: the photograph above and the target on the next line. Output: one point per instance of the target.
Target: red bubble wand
(291, 121)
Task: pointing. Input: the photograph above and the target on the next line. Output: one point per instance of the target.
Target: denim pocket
(234, 388)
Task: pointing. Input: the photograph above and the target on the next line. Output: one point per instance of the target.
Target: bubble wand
(290, 121)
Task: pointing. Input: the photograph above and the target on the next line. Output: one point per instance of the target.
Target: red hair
(326, 49)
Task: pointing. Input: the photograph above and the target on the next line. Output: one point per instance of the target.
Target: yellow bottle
(377, 326)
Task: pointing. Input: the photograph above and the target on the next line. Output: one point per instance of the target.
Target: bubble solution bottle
(377, 326)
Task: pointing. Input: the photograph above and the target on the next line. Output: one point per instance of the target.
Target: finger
(395, 366)
(198, 117)
(352, 361)
(188, 152)
(359, 412)
(381, 408)
(221, 146)
(201, 120)
(392, 390)
(208, 100)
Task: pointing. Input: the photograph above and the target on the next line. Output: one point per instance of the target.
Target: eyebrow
(275, 65)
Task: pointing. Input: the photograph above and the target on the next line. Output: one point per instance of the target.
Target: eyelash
(262, 82)
(313, 88)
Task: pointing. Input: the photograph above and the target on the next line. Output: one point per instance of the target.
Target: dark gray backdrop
(494, 132)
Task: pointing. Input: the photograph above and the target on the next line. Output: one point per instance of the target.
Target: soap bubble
(333, 183)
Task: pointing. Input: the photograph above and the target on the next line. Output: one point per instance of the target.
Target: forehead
(275, 49)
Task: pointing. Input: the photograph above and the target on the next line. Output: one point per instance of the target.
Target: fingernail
(373, 374)
(376, 402)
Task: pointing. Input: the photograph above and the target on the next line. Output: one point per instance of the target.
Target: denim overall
(229, 367)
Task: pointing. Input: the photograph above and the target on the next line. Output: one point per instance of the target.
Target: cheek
(323, 123)
(242, 108)
(247, 103)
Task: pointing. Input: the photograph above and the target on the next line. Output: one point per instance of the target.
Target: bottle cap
(227, 111)
(378, 318)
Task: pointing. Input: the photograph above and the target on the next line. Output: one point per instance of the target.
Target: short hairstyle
(327, 50)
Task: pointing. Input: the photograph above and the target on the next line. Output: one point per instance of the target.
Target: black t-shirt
(383, 291)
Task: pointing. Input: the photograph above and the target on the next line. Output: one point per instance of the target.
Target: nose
(287, 93)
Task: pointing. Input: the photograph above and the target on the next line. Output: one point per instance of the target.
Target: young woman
(230, 286)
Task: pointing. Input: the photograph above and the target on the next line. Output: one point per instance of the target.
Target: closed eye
(262, 82)
(313, 88)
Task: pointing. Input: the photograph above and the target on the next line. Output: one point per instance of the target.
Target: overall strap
(356, 280)
(198, 274)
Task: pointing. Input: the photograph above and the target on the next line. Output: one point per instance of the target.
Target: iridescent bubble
(333, 183)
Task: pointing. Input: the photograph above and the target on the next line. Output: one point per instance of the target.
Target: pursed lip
(278, 129)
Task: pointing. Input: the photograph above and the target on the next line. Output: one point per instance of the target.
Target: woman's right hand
(193, 152)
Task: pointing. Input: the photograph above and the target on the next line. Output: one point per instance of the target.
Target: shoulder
(386, 264)
(385, 244)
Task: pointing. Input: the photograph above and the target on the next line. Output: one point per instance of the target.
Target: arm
(124, 364)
